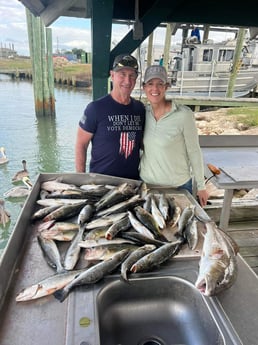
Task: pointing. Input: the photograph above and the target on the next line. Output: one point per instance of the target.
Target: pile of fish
(121, 227)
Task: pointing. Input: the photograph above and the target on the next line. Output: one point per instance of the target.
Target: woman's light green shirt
(172, 153)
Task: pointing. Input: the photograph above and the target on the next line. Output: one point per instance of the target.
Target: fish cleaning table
(238, 166)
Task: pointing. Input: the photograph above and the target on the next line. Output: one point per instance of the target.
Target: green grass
(18, 63)
(246, 115)
(25, 64)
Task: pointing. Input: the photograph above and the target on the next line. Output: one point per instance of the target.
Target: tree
(78, 52)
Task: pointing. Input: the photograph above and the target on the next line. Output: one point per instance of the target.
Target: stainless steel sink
(163, 310)
(161, 307)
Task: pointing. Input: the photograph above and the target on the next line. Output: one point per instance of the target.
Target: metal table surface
(239, 170)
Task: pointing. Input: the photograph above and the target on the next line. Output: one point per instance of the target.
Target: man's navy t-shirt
(117, 136)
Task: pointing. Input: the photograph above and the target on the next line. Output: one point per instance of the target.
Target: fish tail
(124, 275)
(61, 294)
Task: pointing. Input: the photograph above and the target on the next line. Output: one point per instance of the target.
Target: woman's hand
(203, 197)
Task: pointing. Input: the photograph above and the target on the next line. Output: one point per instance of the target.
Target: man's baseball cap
(125, 61)
(155, 71)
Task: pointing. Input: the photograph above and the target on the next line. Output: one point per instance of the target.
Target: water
(47, 144)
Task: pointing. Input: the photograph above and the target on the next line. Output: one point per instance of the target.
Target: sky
(67, 33)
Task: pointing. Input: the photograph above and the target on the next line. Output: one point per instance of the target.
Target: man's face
(124, 80)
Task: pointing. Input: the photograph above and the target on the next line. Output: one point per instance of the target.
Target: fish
(163, 206)
(218, 266)
(47, 286)
(56, 185)
(43, 194)
(104, 221)
(157, 214)
(176, 216)
(150, 222)
(67, 194)
(95, 190)
(51, 253)
(138, 226)
(102, 242)
(92, 274)
(95, 234)
(115, 195)
(134, 256)
(72, 254)
(157, 257)
(106, 251)
(120, 225)
(186, 216)
(122, 206)
(191, 234)
(54, 226)
(64, 212)
(172, 206)
(60, 202)
(86, 214)
(64, 236)
(143, 190)
(147, 202)
(42, 212)
(140, 238)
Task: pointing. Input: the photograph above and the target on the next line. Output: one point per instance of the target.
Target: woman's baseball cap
(125, 61)
(155, 71)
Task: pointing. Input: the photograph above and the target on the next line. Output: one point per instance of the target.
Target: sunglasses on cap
(126, 61)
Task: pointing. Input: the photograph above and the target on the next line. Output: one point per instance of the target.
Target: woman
(172, 154)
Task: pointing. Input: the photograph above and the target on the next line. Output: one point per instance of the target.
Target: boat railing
(212, 72)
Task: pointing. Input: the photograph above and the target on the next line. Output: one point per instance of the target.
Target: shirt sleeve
(88, 122)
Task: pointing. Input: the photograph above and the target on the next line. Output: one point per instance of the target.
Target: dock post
(236, 58)
(43, 81)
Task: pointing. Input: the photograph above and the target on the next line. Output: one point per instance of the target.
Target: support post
(150, 48)
(41, 66)
(236, 62)
(167, 44)
(101, 26)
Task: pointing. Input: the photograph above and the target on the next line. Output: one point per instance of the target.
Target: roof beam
(55, 10)
(151, 19)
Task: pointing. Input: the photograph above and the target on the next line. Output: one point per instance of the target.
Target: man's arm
(82, 142)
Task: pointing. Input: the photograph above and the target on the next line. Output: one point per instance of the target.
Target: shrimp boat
(205, 70)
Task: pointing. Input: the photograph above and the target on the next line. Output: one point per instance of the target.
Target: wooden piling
(236, 59)
(41, 56)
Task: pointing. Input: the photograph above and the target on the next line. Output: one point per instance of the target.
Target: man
(114, 125)
(195, 33)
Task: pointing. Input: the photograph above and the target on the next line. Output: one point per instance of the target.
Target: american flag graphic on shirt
(127, 142)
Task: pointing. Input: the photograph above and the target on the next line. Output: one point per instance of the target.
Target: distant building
(8, 53)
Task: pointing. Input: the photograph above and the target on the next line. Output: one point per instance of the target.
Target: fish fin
(60, 294)
(230, 240)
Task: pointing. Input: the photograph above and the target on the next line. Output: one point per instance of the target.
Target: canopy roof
(149, 13)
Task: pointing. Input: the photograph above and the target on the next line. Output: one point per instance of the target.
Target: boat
(204, 69)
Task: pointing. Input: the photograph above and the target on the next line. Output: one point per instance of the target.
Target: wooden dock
(246, 236)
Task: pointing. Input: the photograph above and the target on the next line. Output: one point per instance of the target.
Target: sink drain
(151, 341)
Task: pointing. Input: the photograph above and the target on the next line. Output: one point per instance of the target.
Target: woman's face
(155, 90)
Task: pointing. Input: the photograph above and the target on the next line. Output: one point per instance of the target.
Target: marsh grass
(70, 69)
(246, 115)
